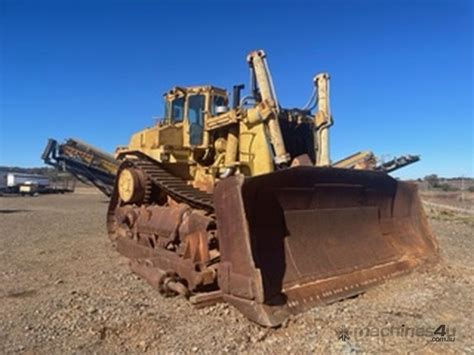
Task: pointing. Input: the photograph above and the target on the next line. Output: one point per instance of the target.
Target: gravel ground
(63, 289)
(457, 199)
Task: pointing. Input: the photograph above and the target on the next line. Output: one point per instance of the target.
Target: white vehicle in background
(34, 184)
(30, 184)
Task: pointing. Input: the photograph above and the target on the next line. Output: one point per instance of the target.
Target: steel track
(174, 186)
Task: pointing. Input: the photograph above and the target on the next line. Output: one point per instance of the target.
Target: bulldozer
(239, 202)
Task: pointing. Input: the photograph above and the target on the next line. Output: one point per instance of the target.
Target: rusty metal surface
(202, 300)
(83, 161)
(285, 242)
(169, 245)
(306, 236)
(272, 244)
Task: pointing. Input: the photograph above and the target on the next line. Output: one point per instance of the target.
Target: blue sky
(401, 71)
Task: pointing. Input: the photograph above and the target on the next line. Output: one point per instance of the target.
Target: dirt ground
(63, 289)
(458, 199)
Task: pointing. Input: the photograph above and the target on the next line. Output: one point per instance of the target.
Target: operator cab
(189, 107)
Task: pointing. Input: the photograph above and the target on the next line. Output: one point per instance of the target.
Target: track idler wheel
(133, 185)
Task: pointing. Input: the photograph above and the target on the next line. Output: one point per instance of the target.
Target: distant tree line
(435, 182)
(47, 171)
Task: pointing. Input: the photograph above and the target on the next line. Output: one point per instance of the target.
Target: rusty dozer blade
(305, 236)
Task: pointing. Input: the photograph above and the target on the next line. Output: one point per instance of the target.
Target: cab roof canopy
(178, 91)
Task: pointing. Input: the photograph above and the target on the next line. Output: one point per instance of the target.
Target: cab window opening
(195, 118)
(177, 109)
(216, 102)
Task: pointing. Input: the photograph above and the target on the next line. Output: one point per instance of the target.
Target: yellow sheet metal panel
(254, 150)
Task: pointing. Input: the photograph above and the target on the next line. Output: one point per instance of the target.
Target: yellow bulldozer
(239, 202)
